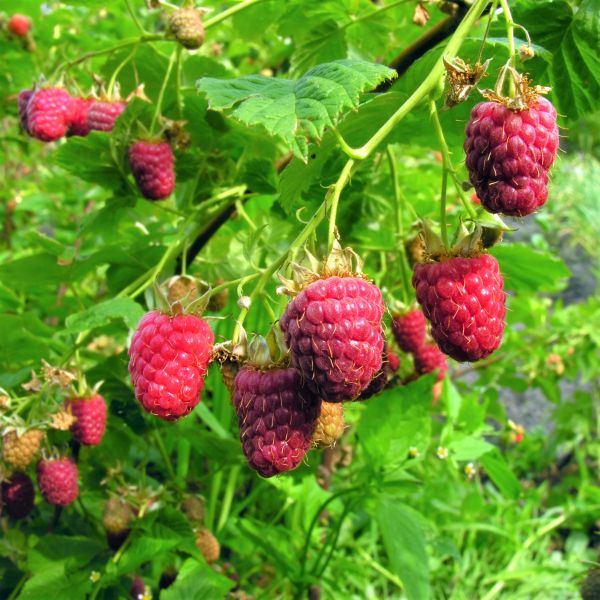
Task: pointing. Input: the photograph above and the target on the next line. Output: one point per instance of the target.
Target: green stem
(163, 452)
(183, 461)
(229, 12)
(398, 214)
(437, 126)
(134, 17)
(116, 72)
(178, 67)
(15, 593)
(228, 497)
(429, 84)
(215, 490)
(163, 88)
(510, 34)
(335, 200)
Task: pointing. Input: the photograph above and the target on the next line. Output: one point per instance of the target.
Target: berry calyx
(152, 165)
(57, 480)
(19, 25)
(185, 25)
(90, 415)
(19, 450)
(333, 327)
(510, 145)
(409, 330)
(17, 495)
(168, 359)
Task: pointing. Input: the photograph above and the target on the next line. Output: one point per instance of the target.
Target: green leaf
(387, 440)
(404, 544)
(572, 35)
(101, 314)
(296, 111)
(501, 475)
(469, 448)
(527, 270)
(325, 43)
(197, 580)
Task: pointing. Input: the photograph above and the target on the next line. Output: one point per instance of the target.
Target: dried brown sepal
(62, 420)
(525, 95)
(461, 79)
(33, 385)
(421, 15)
(57, 376)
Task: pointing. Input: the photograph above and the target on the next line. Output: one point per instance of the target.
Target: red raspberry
(277, 417)
(49, 114)
(23, 102)
(409, 330)
(393, 361)
(152, 167)
(463, 298)
(333, 329)
(17, 495)
(168, 359)
(19, 25)
(509, 154)
(102, 115)
(91, 419)
(79, 117)
(57, 480)
(428, 358)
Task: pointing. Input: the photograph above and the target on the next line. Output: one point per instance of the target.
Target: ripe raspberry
(463, 298)
(17, 495)
(57, 480)
(333, 329)
(208, 545)
(428, 358)
(168, 359)
(152, 166)
(509, 154)
(91, 419)
(49, 114)
(186, 26)
(409, 330)
(79, 117)
(19, 451)
(277, 417)
(393, 361)
(23, 102)
(330, 425)
(19, 25)
(102, 115)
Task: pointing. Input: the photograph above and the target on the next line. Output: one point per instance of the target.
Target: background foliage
(367, 520)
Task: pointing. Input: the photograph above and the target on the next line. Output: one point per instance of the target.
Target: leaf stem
(398, 214)
(510, 34)
(437, 126)
(163, 88)
(335, 200)
(134, 17)
(430, 83)
(229, 12)
(165, 455)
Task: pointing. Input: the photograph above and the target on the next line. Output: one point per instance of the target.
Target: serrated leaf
(324, 43)
(197, 580)
(296, 111)
(101, 314)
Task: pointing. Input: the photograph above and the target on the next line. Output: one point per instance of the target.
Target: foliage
(273, 102)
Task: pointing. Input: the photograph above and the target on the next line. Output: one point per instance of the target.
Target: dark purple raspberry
(79, 118)
(277, 417)
(333, 329)
(509, 153)
(49, 114)
(168, 359)
(17, 495)
(409, 330)
(390, 363)
(152, 166)
(463, 298)
(23, 102)
(57, 480)
(102, 115)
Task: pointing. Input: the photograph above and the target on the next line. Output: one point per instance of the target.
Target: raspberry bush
(401, 197)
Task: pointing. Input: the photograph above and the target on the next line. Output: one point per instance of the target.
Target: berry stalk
(437, 126)
(510, 34)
